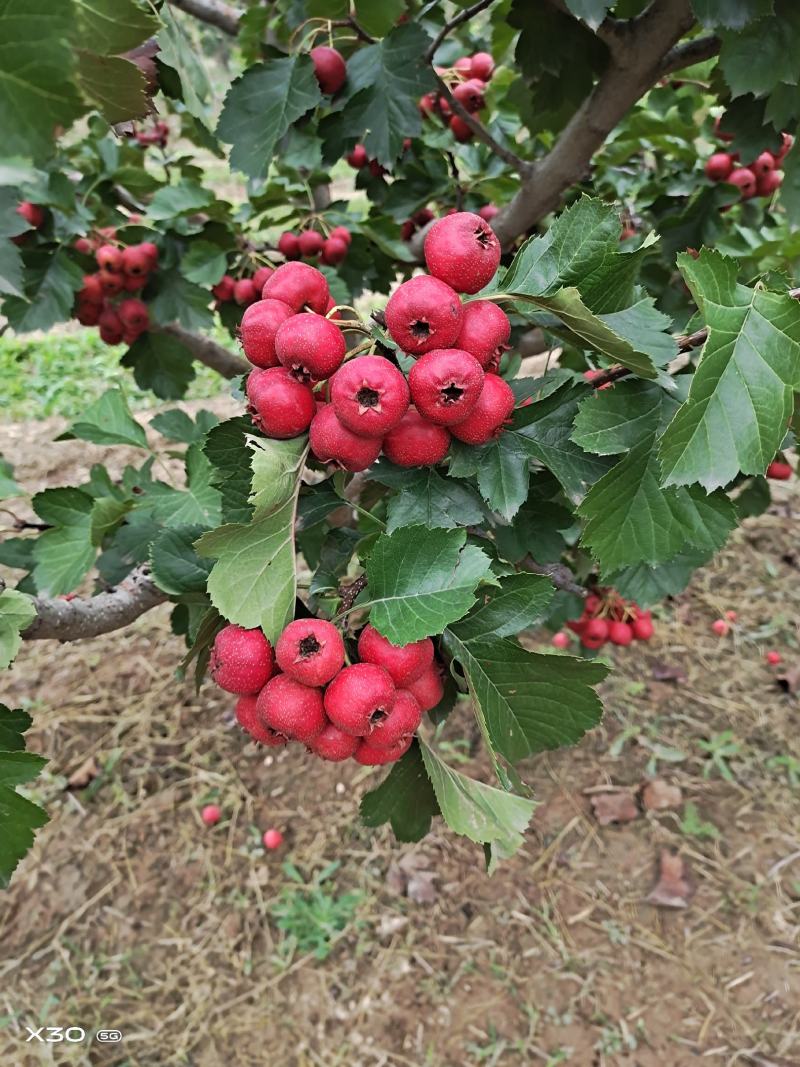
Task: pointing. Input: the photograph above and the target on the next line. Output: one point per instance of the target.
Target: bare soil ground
(204, 950)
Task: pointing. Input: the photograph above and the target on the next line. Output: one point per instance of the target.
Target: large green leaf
(64, 553)
(50, 286)
(178, 52)
(611, 421)
(175, 565)
(260, 107)
(502, 471)
(172, 201)
(741, 396)
(405, 798)
(649, 585)
(197, 503)
(114, 86)
(764, 53)
(108, 421)
(425, 498)
(227, 451)
(16, 614)
(11, 270)
(420, 580)
(160, 363)
(730, 14)
(111, 27)
(520, 601)
(253, 583)
(19, 817)
(179, 300)
(592, 12)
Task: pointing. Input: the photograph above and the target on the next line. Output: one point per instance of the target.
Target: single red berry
(241, 660)
(482, 66)
(400, 724)
(329, 68)
(260, 277)
(110, 320)
(731, 616)
(422, 217)
(767, 184)
(416, 442)
(369, 395)
(595, 630)
(292, 709)
(485, 332)
(133, 315)
(88, 314)
(444, 107)
(405, 663)
(560, 640)
(109, 334)
(470, 94)
(428, 689)
(359, 697)
(719, 166)
(407, 230)
(272, 839)
(592, 642)
(578, 625)
(311, 651)
(109, 258)
(298, 285)
(462, 132)
(370, 756)
(310, 243)
(643, 628)
(248, 718)
(491, 412)
(289, 245)
(445, 385)
(745, 181)
(341, 233)
(620, 633)
(132, 283)
(32, 213)
(211, 814)
(280, 406)
(334, 251)
(332, 442)
(258, 329)
(463, 64)
(720, 627)
(111, 283)
(592, 604)
(92, 291)
(310, 346)
(778, 471)
(375, 168)
(488, 212)
(462, 250)
(84, 246)
(244, 292)
(358, 158)
(424, 313)
(764, 164)
(427, 104)
(151, 250)
(773, 658)
(136, 261)
(334, 745)
(223, 290)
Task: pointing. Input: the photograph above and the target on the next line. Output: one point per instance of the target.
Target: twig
(466, 14)
(480, 131)
(451, 159)
(214, 12)
(352, 22)
(348, 593)
(686, 55)
(561, 576)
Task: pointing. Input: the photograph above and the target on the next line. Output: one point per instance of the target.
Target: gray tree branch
(214, 12)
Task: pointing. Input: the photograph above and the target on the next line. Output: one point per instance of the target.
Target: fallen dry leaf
(658, 795)
(410, 876)
(421, 888)
(389, 925)
(789, 681)
(614, 807)
(668, 672)
(673, 889)
(84, 774)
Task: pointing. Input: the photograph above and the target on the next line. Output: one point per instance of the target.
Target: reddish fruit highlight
(248, 718)
(272, 839)
(292, 709)
(778, 471)
(330, 69)
(332, 442)
(445, 385)
(400, 724)
(211, 814)
(310, 346)
(560, 640)
(370, 756)
(415, 442)
(245, 292)
(298, 285)
(310, 243)
(487, 418)
(485, 332)
(289, 245)
(334, 745)
(258, 328)
(428, 689)
(404, 663)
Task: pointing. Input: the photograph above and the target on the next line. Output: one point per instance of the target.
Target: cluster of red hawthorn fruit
(366, 405)
(102, 301)
(759, 178)
(607, 617)
(158, 134)
(304, 691)
(467, 81)
(308, 244)
(242, 291)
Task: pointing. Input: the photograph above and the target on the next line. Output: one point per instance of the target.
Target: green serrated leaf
(50, 286)
(177, 425)
(650, 585)
(425, 498)
(108, 421)
(199, 503)
(113, 26)
(107, 514)
(114, 86)
(611, 421)
(161, 364)
(730, 14)
(520, 601)
(185, 198)
(175, 566)
(178, 51)
(16, 614)
(204, 263)
(178, 300)
(65, 553)
(11, 269)
(764, 53)
(405, 798)
(227, 450)
(592, 12)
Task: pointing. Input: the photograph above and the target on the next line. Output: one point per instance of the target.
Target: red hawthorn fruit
(358, 158)
(778, 471)
(407, 230)
(491, 412)
(292, 709)
(280, 406)
(110, 319)
(470, 94)
(463, 64)
(211, 814)
(462, 132)
(404, 663)
(310, 346)
(719, 166)
(444, 107)
(422, 217)
(595, 630)
(731, 615)
(592, 604)
(132, 283)
(334, 745)
(359, 697)
(272, 839)
(400, 724)
(560, 640)
(248, 718)
(341, 233)
(88, 314)
(415, 442)
(32, 213)
(445, 385)
(482, 66)
(311, 651)
(764, 164)
(223, 290)
(488, 212)
(375, 168)
(109, 258)
(245, 292)
(329, 68)
(427, 104)
(111, 283)
(92, 291)
(744, 179)
(462, 250)
(260, 278)
(643, 628)
(424, 313)
(151, 250)
(135, 261)
(428, 689)
(258, 328)
(773, 658)
(620, 633)
(334, 251)
(133, 315)
(369, 395)
(768, 183)
(310, 243)
(298, 285)
(485, 332)
(84, 246)
(109, 334)
(289, 245)
(241, 660)
(721, 627)
(331, 442)
(369, 756)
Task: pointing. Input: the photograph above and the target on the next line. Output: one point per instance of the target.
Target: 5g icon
(109, 1036)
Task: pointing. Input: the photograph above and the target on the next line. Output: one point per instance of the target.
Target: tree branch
(466, 14)
(214, 12)
(209, 352)
(633, 69)
(686, 55)
(561, 576)
(481, 132)
(70, 620)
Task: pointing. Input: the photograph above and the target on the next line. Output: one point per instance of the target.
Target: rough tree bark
(214, 12)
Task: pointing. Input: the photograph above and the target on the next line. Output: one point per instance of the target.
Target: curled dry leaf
(658, 795)
(673, 889)
(668, 672)
(84, 774)
(410, 877)
(614, 807)
(789, 681)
